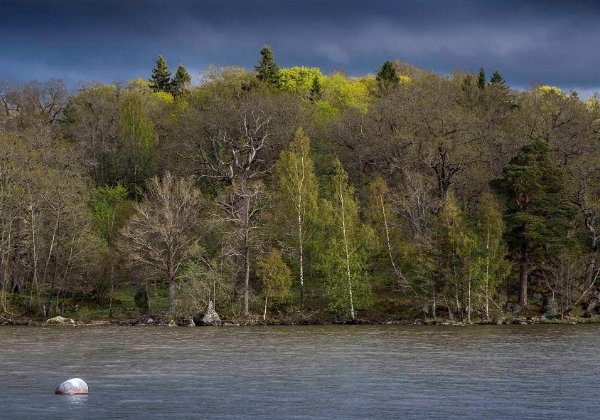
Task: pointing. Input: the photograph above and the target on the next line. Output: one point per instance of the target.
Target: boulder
(73, 386)
(60, 320)
(211, 317)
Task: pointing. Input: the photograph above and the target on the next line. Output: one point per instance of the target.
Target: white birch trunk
(349, 278)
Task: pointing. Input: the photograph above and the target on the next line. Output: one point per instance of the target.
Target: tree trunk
(397, 272)
(246, 273)
(112, 288)
(265, 312)
(487, 274)
(301, 249)
(469, 303)
(523, 274)
(590, 268)
(171, 293)
(349, 278)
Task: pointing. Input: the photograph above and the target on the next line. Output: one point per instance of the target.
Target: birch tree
(492, 251)
(348, 249)
(380, 215)
(296, 196)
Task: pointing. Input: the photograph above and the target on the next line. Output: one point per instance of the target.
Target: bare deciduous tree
(161, 236)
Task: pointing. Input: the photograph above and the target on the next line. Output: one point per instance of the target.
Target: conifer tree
(497, 79)
(481, 80)
(538, 214)
(161, 76)
(267, 69)
(180, 81)
(387, 76)
(315, 89)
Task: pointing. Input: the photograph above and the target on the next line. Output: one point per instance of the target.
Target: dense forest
(289, 194)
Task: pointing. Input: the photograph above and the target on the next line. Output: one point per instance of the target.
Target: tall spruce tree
(180, 81)
(161, 76)
(387, 76)
(538, 214)
(481, 80)
(497, 79)
(267, 70)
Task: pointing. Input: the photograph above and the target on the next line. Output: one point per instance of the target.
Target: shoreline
(150, 322)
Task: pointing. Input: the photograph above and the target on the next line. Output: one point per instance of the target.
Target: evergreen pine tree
(161, 76)
(180, 81)
(387, 76)
(538, 213)
(481, 80)
(497, 79)
(315, 89)
(267, 70)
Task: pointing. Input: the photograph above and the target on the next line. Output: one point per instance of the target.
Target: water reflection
(75, 400)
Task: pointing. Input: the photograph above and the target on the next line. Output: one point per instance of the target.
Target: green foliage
(135, 160)
(492, 265)
(345, 259)
(341, 91)
(497, 79)
(299, 79)
(295, 199)
(481, 80)
(107, 204)
(315, 89)
(387, 76)
(160, 80)
(456, 249)
(275, 275)
(180, 81)
(538, 213)
(267, 70)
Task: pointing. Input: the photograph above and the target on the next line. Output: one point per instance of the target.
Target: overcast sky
(551, 42)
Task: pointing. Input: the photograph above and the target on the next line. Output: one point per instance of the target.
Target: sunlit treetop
(299, 79)
(545, 89)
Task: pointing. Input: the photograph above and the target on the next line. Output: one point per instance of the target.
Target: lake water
(530, 371)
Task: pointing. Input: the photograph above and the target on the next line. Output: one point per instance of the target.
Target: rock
(150, 321)
(73, 386)
(519, 320)
(191, 323)
(501, 319)
(172, 323)
(211, 317)
(60, 320)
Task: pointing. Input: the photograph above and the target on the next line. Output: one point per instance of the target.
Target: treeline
(287, 192)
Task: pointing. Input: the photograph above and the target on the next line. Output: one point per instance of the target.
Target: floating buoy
(73, 386)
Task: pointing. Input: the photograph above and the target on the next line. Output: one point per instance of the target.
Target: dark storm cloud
(529, 42)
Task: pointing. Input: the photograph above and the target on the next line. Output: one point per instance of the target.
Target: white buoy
(73, 386)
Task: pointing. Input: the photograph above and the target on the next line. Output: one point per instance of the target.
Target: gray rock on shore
(211, 317)
(60, 320)
(74, 386)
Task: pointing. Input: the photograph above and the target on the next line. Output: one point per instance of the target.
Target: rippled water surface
(529, 371)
